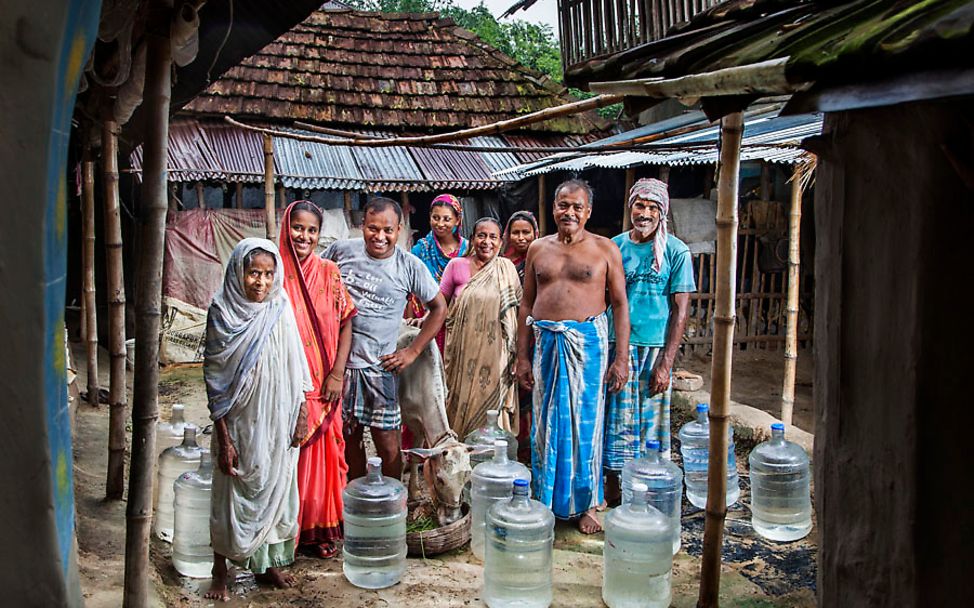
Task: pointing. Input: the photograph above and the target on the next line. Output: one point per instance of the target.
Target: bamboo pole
(238, 196)
(91, 312)
(115, 481)
(626, 218)
(791, 307)
(145, 405)
(542, 206)
(730, 155)
(593, 103)
(270, 209)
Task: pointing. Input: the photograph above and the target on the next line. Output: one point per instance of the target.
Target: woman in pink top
(484, 291)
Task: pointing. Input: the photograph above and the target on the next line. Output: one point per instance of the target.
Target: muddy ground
(756, 572)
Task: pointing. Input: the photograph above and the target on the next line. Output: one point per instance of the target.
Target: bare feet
(218, 589)
(275, 578)
(588, 523)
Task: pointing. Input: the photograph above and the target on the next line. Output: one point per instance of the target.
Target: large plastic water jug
(695, 448)
(173, 462)
(192, 554)
(170, 434)
(637, 554)
(491, 482)
(664, 481)
(517, 557)
(781, 505)
(375, 529)
(485, 436)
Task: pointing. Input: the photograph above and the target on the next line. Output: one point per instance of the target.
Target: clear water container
(486, 435)
(781, 505)
(517, 558)
(491, 482)
(173, 462)
(375, 529)
(695, 448)
(664, 481)
(192, 554)
(637, 554)
(170, 434)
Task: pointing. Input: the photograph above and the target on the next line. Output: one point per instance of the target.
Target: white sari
(256, 375)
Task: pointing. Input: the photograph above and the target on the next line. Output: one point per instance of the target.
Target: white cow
(422, 399)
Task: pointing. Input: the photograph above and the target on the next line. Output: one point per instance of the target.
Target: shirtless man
(567, 277)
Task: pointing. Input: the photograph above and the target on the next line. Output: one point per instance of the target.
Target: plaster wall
(892, 349)
(43, 47)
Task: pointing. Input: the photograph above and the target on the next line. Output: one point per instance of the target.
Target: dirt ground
(756, 381)
(756, 573)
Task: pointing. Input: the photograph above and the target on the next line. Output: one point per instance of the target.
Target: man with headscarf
(659, 278)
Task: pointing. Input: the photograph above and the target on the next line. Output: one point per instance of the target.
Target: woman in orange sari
(323, 310)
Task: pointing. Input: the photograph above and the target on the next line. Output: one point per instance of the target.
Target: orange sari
(321, 306)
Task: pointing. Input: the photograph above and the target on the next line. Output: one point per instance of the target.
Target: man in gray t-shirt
(379, 277)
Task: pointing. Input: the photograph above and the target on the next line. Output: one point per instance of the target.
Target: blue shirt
(648, 291)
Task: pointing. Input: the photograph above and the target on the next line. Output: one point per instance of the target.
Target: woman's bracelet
(336, 377)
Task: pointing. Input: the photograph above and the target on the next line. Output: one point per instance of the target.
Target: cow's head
(446, 470)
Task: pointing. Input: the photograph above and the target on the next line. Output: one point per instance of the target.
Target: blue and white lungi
(633, 415)
(570, 360)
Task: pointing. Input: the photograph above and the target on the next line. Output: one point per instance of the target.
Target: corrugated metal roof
(239, 152)
(529, 141)
(314, 166)
(765, 138)
(446, 169)
(388, 169)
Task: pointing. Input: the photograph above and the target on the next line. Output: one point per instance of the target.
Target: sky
(543, 11)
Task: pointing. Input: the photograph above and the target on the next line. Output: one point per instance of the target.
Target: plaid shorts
(371, 399)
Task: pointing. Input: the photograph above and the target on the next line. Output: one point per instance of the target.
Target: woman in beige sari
(484, 292)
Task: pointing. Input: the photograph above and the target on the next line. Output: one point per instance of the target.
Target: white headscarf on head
(237, 329)
(650, 189)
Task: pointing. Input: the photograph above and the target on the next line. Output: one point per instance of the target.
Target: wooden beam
(542, 207)
(115, 479)
(145, 393)
(200, 195)
(270, 212)
(91, 310)
(732, 128)
(239, 193)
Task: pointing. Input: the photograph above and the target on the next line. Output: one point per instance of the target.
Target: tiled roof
(397, 72)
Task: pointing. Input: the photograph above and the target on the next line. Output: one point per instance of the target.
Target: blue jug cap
(652, 445)
(777, 426)
(520, 483)
(703, 407)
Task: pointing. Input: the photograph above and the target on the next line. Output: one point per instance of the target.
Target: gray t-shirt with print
(379, 289)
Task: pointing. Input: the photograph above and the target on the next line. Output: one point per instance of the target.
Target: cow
(422, 400)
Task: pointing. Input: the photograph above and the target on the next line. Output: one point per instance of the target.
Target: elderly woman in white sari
(256, 376)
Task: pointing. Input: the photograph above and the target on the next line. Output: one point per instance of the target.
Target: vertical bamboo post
(145, 405)
(766, 191)
(200, 195)
(238, 198)
(270, 209)
(281, 196)
(731, 129)
(347, 200)
(791, 307)
(115, 480)
(542, 207)
(626, 217)
(91, 312)
(406, 221)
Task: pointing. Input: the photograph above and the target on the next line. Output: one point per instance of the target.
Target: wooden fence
(595, 28)
(762, 254)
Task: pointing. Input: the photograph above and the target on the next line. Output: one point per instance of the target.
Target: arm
(403, 358)
(618, 373)
(679, 307)
(228, 453)
(525, 376)
(331, 388)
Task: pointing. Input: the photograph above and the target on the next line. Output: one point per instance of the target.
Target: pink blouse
(455, 277)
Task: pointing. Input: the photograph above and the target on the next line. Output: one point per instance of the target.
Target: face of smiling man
(571, 210)
(381, 231)
(645, 215)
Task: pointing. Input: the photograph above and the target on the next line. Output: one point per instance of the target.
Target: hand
(617, 375)
(659, 380)
(525, 376)
(228, 460)
(301, 427)
(331, 390)
(414, 322)
(399, 360)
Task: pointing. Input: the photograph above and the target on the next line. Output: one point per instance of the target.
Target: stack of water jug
(514, 534)
(185, 480)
